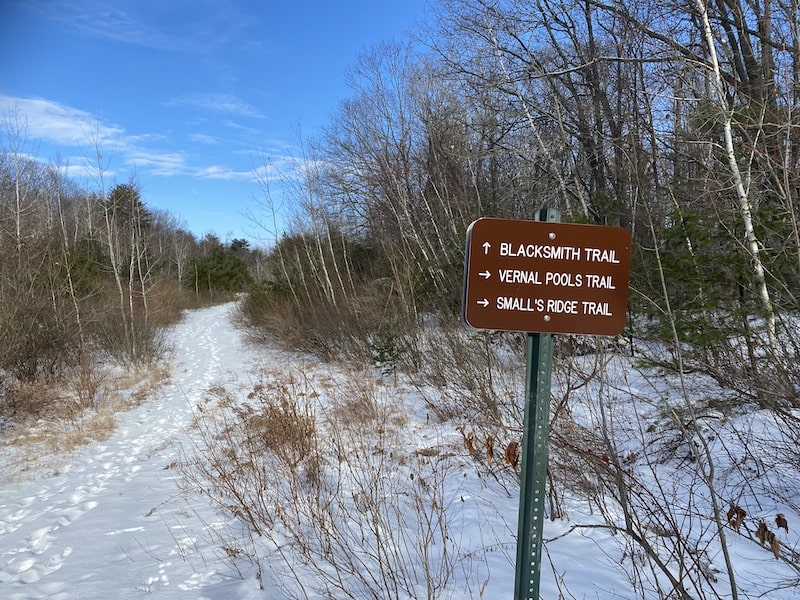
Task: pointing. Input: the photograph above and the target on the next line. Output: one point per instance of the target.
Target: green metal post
(533, 476)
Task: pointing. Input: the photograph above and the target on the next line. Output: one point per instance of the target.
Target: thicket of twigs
(505, 108)
(334, 498)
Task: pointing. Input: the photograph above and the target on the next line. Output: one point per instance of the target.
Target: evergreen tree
(220, 269)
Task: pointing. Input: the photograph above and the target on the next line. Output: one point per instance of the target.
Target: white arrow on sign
(486, 246)
(485, 274)
(483, 302)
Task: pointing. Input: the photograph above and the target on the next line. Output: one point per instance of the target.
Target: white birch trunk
(751, 241)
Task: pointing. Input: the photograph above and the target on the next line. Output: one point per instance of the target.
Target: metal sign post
(543, 277)
(533, 474)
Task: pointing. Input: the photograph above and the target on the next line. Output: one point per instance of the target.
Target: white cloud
(225, 173)
(158, 163)
(114, 24)
(103, 145)
(79, 170)
(190, 28)
(241, 128)
(218, 102)
(59, 124)
(65, 127)
(202, 138)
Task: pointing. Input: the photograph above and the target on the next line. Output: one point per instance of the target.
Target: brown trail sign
(551, 277)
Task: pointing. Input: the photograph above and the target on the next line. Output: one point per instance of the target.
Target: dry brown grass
(48, 421)
(359, 400)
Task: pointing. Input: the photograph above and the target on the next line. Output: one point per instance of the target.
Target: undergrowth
(44, 422)
(332, 497)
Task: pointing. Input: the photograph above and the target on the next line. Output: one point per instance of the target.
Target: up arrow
(486, 246)
(483, 302)
(485, 274)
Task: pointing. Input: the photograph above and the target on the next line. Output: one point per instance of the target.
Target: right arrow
(483, 302)
(485, 274)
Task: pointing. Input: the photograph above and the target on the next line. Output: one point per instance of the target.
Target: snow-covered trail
(111, 523)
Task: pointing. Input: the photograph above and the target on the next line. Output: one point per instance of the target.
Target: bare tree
(15, 126)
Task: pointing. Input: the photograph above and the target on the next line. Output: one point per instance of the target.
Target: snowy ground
(111, 522)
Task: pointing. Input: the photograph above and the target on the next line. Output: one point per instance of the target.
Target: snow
(114, 519)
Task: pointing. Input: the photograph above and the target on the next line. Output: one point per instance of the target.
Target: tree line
(92, 273)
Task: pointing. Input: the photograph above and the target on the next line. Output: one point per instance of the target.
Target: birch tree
(751, 241)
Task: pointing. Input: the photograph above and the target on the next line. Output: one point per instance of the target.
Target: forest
(678, 121)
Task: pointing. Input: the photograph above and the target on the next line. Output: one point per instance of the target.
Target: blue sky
(188, 95)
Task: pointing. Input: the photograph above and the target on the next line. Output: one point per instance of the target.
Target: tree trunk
(751, 241)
